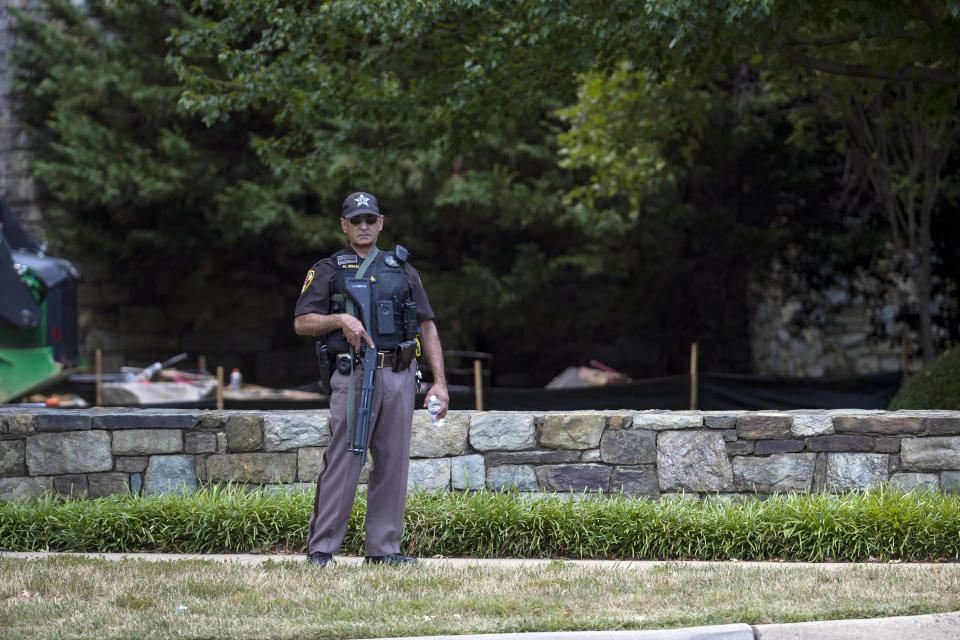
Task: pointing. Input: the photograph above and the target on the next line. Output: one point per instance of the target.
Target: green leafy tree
(369, 90)
(885, 72)
(455, 110)
(473, 189)
(131, 179)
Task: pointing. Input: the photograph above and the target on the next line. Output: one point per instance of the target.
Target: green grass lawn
(75, 597)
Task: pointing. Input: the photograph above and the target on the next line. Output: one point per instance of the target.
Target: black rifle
(359, 291)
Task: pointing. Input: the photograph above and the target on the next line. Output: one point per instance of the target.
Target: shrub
(936, 387)
(884, 524)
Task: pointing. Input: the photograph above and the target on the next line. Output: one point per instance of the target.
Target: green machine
(39, 341)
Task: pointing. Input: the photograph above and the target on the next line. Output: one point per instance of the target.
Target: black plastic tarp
(716, 392)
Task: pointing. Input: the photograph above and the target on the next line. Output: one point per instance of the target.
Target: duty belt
(384, 358)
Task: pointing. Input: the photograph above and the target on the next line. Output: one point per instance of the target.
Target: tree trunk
(924, 292)
(900, 153)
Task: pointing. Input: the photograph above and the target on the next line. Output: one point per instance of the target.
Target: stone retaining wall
(105, 451)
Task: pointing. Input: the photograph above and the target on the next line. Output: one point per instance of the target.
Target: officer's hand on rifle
(354, 332)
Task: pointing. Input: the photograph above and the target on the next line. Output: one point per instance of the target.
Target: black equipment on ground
(39, 338)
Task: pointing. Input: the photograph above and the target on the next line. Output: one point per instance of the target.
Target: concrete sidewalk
(938, 626)
(935, 626)
(715, 632)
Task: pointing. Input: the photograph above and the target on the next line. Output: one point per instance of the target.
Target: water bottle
(433, 406)
(236, 380)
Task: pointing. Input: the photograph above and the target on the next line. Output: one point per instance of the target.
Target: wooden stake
(903, 357)
(693, 376)
(478, 384)
(98, 374)
(220, 388)
(202, 363)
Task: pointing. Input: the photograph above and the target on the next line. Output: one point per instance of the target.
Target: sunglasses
(370, 220)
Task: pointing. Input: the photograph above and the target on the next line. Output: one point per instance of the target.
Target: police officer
(322, 310)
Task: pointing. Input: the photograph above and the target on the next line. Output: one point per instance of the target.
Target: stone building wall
(100, 452)
(255, 334)
(16, 185)
(835, 335)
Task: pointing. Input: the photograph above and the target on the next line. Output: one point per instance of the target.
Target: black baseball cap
(359, 203)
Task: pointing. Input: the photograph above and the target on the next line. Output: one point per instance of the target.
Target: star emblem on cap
(361, 200)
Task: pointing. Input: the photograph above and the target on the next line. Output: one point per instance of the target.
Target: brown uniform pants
(392, 409)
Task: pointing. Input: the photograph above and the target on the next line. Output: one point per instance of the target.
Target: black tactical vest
(394, 312)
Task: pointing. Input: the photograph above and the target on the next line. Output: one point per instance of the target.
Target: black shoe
(395, 559)
(321, 559)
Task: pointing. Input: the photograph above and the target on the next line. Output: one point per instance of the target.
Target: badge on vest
(346, 259)
(391, 261)
(307, 281)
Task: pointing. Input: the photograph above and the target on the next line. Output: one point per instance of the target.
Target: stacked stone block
(99, 452)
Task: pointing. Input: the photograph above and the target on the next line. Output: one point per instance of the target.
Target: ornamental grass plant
(882, 524)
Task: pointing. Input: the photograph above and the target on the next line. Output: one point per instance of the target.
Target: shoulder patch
(307, 281)
(347, 258)
(391, 261)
